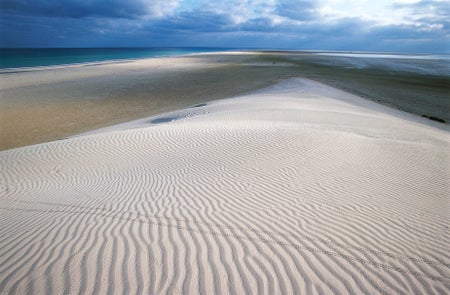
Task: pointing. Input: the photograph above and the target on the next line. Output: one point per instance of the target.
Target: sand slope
(297, 189)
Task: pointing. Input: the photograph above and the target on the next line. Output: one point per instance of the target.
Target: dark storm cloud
(84, 8)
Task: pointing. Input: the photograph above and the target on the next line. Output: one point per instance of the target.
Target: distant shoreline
(28, 58)
(173, 52)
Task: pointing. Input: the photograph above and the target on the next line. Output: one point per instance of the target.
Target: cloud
(295, 24)
(98, 8)
(426, 11)
(297, 10)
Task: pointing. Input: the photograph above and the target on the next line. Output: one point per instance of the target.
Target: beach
(52, 103)
(234, 173)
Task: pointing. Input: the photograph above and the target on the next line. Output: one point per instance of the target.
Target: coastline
(57, 102)
(11, 58)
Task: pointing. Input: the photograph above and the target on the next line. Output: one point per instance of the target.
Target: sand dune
(296, 189)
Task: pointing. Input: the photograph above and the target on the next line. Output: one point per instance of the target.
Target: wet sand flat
(49, 104)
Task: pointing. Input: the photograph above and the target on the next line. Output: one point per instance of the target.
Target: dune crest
(296, 189)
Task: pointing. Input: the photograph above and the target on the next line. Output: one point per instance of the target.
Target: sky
(358, 25)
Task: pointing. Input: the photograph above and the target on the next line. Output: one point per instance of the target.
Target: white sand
(297, 189)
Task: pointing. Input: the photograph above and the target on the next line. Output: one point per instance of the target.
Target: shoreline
(50, 104)
(15, 70)
(17, 58)
(356, 54)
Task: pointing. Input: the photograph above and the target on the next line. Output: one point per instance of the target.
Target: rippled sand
(296, 189)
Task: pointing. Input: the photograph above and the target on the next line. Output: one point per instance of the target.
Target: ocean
(38, 57)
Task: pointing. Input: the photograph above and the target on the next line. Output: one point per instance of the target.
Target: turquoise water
(19, 58)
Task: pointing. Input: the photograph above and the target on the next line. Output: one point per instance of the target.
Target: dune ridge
(295, 189)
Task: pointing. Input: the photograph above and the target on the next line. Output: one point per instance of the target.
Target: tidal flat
(50, 103)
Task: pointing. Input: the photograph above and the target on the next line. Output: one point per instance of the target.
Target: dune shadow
(199, 105)
(172, 118)
(163, 120)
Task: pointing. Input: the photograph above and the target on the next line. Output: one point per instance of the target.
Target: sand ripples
(203, 207)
